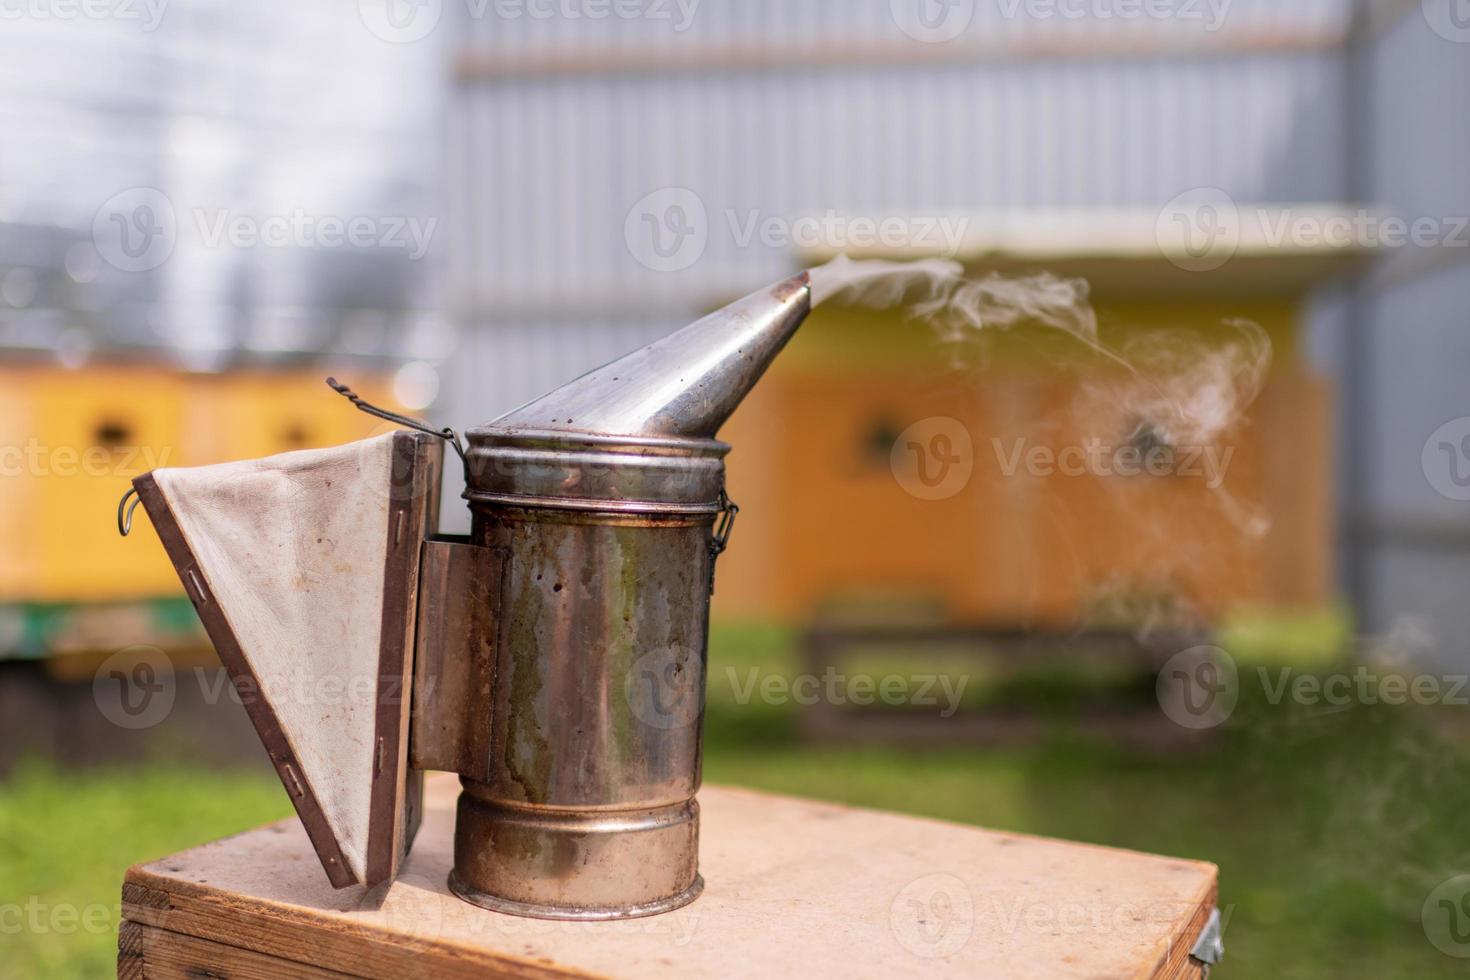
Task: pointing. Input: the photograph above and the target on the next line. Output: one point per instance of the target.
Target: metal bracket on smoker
(454, 656)
(1209, 948)
(724, 524)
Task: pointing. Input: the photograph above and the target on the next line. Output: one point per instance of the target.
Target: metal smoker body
(604, 504)
(556, 655)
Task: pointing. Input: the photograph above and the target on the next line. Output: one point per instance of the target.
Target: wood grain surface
(794, 888)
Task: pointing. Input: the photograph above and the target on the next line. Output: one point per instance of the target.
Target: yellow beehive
(825, 520)
(72, 441)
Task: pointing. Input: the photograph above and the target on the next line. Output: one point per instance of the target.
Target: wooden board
(303, 568)
(794, 888)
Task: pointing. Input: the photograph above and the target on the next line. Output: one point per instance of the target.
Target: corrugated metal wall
(257, 109)
(1412, 542)
(562, 25)
(559, 164)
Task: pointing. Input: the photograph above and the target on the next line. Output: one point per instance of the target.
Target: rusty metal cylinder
(596, 706)
(604, 504)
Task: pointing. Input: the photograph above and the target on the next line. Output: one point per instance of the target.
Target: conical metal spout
(683, 386)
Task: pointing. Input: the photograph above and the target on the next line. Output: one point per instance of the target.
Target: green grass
(1330, 826)
(67, 837)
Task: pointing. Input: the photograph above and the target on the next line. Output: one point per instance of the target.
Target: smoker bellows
(554, 658)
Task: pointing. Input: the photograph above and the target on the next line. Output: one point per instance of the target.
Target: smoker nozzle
(683, 386)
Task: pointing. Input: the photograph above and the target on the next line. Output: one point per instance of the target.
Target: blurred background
(1254, 652)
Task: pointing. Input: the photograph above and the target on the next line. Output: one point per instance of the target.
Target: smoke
(937, 292)
(1197, 390)
(879, 283)
(1181, 389)
(1176, 394)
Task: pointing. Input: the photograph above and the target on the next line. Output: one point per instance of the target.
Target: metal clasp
(723, 525)
(1210, 947)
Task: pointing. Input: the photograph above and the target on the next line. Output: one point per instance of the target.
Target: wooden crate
(794, 888)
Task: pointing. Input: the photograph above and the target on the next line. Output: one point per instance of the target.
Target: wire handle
(446, 433)
(125, 520)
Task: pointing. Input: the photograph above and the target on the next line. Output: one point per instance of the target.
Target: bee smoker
(555, 658)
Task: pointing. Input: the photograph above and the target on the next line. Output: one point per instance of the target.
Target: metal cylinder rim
(574, 913)
(487, 438)
(593, 505)
(596, 473)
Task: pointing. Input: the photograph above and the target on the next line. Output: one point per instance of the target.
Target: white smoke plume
(939, 294)
(1197, 391)
(1178, 389)
(879, 283)
(1186, 392)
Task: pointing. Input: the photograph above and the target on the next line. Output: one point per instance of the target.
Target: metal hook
(125, 521)
(447, 434)
(724, 524)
